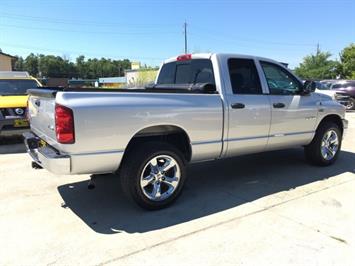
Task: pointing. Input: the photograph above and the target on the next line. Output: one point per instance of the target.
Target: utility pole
(185, 33)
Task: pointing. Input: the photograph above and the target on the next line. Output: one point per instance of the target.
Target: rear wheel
(153, 175)
(324, 148)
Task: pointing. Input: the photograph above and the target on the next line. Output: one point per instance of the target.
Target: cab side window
(244, 76)
(279, 80)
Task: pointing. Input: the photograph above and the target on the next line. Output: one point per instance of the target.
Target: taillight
(64, 124)
(184, 57)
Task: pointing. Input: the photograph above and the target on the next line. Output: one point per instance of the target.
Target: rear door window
(244, 76)
(187, 72)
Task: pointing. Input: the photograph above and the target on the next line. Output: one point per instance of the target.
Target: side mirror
(209, 88)
(308, 87)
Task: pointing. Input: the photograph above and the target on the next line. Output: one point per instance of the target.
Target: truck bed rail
(204, 88)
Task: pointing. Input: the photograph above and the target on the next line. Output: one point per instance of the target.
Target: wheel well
(173, 135)
(335, 119)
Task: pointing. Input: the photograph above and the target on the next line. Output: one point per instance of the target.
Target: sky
(152, 30)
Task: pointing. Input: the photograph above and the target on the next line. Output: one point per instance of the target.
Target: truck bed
(106, 121)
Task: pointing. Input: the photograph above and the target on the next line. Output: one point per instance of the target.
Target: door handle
(278, 105)
(238, 105)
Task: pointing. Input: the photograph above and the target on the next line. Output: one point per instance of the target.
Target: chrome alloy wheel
(160, 177)
(350, 105)
(330, 145)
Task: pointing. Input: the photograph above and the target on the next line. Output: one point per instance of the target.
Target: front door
(293, 115)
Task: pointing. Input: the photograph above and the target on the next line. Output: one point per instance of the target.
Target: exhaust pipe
(36, 165)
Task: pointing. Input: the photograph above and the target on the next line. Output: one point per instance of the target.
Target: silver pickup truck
(201, 107)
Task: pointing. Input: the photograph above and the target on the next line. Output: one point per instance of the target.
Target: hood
(326, 92)
(348, 90)
(13, 101)
(325, 96)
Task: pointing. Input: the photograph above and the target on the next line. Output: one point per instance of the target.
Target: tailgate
(41, 105)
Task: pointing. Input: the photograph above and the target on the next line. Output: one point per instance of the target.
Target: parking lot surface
(264, 209)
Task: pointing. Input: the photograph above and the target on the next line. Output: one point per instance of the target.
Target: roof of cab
(223, 56)
(193, 56)
(14, 74)
(18, 75)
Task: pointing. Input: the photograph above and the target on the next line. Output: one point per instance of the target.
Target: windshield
(16, 86)
(322, 86)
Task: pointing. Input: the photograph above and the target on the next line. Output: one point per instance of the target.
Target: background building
(6, 62)
(137, 76)
(112, 82)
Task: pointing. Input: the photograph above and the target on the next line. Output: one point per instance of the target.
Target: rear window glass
(187, 72)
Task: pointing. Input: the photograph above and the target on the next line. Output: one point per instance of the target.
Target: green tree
(317, 66)
(82, 67)
(94, 68)
(18, 64)
(31, 64)
(52, 66)
(56, 67)
(347, 62)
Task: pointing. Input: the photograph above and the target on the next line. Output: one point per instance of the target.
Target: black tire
(351, 105)
(313, 150)
(134, 164)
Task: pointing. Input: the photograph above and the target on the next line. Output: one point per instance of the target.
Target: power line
(82, 31)
(247, 39)
(252, 46)
(31, 48)
(80, 22)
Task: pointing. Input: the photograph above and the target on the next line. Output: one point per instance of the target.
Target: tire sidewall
(322, 132)
(145, 156)
(353, 105)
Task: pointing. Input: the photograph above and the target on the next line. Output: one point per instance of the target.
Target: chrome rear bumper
(46, 156)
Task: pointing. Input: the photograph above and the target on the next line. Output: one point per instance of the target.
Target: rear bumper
(7, 128)
(46, 157)
(78, 163)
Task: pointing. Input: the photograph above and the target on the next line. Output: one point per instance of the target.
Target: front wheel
(153, 174)
(351, 104)
(325, 146)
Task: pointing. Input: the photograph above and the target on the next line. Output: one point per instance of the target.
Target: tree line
(45, 66)
(320, 66)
